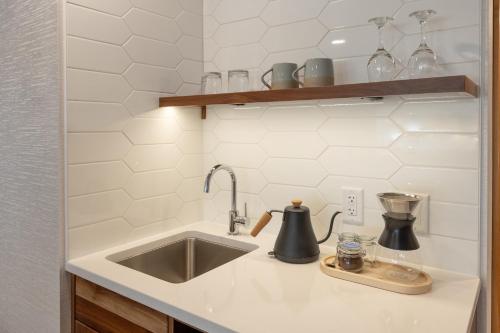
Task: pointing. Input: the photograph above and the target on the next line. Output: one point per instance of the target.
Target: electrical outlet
(352, 205)
(421, 225)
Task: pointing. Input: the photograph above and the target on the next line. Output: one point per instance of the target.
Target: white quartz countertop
(256, 293)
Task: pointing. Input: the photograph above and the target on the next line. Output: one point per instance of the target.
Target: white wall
(32, 293)
(135, 170)
(254, 35)
(131, 166)
(310, 150)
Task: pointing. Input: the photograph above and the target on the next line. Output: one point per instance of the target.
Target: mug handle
(264, 81)
(295, 74)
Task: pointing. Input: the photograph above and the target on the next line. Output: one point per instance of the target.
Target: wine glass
(423, 62)
(381, 65)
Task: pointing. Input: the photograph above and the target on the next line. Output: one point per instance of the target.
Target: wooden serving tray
(373, 277)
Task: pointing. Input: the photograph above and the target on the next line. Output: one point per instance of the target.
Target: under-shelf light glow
(167, 111)
(338, 41)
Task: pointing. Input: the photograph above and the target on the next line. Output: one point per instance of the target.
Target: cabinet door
(103, 320)
(81, 328)
(99, 310)
(109, 312)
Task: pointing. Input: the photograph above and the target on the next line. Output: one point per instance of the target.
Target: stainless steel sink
(182, 257)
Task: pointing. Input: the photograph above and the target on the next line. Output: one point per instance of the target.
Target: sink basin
(182, 257)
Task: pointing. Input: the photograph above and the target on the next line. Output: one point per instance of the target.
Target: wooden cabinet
(82, 328)
(99, 310)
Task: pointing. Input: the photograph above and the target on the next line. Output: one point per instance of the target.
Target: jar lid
(350, 247)
(348, 236)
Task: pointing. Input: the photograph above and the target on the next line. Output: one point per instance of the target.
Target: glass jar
(369, 245)
(211, 83)
(350, 256)
(238, 81)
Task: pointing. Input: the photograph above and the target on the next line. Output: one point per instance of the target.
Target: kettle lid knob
(296, 203)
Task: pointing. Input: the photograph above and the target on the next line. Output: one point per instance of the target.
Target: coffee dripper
(398, 243)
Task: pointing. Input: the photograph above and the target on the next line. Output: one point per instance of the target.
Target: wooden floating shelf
(459, 84)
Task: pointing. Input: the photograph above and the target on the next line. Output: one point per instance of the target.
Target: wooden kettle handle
(263, 221)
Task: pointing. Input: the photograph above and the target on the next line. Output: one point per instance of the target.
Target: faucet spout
(234, 218)
(206, 186)
(208, 179)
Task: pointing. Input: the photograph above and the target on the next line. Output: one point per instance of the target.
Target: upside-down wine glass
(423, 62)
(381, 65)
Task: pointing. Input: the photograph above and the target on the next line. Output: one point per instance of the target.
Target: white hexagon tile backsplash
(131, 166)
(150, 162)
(254, 35)
(312, 151)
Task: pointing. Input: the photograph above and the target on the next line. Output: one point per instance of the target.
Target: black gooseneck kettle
(296, 242)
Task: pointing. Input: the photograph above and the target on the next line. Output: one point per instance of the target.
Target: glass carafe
(398, 244)
(405, 265)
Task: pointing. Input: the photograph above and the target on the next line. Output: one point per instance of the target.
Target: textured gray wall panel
(31, 150)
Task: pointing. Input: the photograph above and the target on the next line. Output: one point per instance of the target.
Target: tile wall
(310, 150)
(135, 170)
(131, 167)
(255, 34)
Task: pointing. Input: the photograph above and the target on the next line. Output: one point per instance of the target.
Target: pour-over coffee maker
(398, 243)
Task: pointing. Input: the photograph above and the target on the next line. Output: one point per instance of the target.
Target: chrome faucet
(234, 219)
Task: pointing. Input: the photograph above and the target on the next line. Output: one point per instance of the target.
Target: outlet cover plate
(352, 205)
(421, 225)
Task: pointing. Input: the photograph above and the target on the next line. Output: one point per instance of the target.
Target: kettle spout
(332, 220)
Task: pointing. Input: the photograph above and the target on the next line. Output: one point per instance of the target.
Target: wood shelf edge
(435, 85)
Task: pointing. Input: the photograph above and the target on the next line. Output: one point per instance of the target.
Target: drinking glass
(238, 80)
(381, 65)
(423, 62)
(211, 83)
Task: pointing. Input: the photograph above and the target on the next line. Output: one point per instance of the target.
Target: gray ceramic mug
(318, 72)
(282, 77)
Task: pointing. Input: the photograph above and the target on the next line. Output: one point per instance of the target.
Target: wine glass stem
(380, 38)
(423, 36)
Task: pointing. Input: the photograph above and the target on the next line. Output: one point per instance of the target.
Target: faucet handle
(247, 219)
(243, 220)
